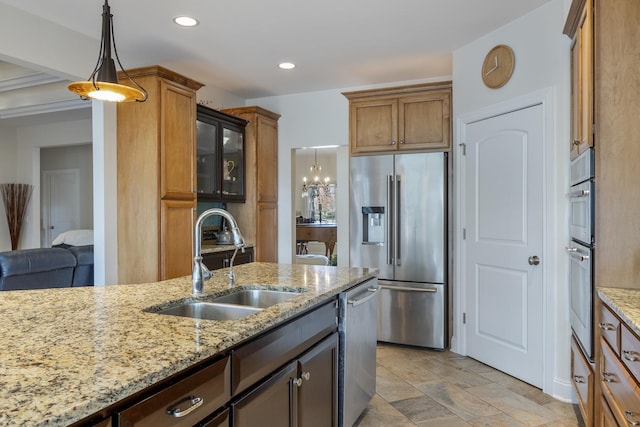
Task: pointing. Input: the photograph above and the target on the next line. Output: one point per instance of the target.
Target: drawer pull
(628, 415)
(629, 355)
(195, 402)
(606, 326)
(608, 377)
(579, 379)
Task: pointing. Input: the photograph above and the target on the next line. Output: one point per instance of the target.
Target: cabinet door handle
(401, 141)
(195, 402)
(632, 422)
(576, 142)
(298, 382)
(606, 326)
(306, 376)
(630, 355)
(579, 379)
(393, 143)
(608, 377)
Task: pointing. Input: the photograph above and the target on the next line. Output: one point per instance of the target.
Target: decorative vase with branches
(16, 199)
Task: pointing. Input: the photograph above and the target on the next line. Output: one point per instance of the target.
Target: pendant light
(103, 82)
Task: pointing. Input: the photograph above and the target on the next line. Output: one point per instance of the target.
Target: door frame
(555, 325)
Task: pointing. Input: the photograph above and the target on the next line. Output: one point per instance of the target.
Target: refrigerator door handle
(398, 218)
(390, 219)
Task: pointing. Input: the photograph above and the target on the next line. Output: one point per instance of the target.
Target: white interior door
(504, 232)
(60, 203)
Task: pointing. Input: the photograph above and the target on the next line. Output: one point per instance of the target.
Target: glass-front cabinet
(220, 156)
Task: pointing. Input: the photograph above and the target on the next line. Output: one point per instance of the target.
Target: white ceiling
(238, 44)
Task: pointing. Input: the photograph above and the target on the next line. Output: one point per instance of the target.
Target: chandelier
(313, 188)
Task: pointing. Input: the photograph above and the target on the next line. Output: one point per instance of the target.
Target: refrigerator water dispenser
(372, 225)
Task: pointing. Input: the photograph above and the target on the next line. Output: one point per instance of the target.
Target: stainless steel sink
(210, 311)
(260, 298)
(229, 307)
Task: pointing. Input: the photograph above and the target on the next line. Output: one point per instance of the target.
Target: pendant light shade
(103, 81)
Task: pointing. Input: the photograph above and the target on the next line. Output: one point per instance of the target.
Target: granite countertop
(68, 353)
(625, 303)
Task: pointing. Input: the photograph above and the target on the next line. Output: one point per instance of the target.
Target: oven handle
(574, 252)
(578, 193)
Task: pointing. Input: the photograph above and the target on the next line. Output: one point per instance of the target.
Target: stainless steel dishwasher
(358, 338)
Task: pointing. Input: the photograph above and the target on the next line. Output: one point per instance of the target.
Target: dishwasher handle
(405, 288)
(370, 293)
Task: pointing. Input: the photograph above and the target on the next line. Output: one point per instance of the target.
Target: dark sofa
(57, 267)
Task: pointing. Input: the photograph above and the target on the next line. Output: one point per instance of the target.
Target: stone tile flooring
(425, 388)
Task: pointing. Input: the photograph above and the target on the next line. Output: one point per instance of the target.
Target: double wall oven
(581, 248)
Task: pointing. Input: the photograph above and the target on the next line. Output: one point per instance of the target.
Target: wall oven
(581, 248)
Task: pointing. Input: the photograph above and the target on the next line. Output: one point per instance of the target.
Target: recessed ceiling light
(185, 21)
(287, 65)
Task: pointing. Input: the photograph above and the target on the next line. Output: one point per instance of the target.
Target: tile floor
(425, 388)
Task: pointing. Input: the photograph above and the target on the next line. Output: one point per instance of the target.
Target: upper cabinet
(220, 156)
(407, 118)
(258, 217)
(156, 178)
(580, 28)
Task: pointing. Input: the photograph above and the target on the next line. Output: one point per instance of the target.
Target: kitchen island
(70, 353)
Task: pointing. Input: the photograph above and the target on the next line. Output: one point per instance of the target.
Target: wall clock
(498, 66)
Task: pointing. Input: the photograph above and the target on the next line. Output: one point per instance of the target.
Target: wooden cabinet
(287, 376)
(609, 327)
(221, 420)
(220, 156)
(316, 384)
(218, 260)
(619, 371)
(303, 393)
(408, 118)
(606, 416)
(258, 216)
(269, 401)
(604, 112)
(615, 63)
(156, 178)
(185, 402)
(255, 360)
(582, 380)
(581, 29)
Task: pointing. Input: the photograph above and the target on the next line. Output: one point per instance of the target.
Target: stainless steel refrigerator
(398, 223)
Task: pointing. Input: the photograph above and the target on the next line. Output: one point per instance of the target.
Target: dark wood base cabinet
(218, 260)
(303, 393)
(269, 403)
(287, 376)
(221, 420)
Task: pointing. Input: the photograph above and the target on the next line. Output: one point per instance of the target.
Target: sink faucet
(200, 271)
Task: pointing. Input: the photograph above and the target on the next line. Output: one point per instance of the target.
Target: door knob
(534, 260)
